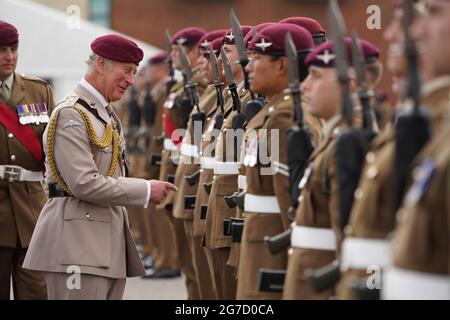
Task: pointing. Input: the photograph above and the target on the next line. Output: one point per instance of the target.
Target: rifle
(218, 85)
(412, 129)
(271, 280)
(299, 142)
(191, 91)
(254, 105)
(171, 82)
(134, 122)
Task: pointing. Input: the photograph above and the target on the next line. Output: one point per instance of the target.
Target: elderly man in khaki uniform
(316, 233)
(82, 240)
(25, 105)
(421, 256)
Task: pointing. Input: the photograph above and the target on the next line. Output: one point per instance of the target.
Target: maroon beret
(309, 24)
(216, 46)
(229, 36)
(188, 36)
(117, 48)
(206, 40)
(323, 55)
(8, 34)
(248, 38)
(160, 57)
(270, 40)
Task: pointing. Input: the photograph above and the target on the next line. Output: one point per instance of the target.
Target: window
(100, 12)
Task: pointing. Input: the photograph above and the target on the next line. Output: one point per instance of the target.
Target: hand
(160, 189)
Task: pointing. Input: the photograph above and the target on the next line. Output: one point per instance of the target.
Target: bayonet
(231, 83)
(338, 31)
(240, 45)
(190, 86)
(172, 80)
(217, 79)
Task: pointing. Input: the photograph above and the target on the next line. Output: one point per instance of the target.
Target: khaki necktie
(4, 90)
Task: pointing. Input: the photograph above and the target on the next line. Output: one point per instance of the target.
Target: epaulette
(33, 78)
(68, 101)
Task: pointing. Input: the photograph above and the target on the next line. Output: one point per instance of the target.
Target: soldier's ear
(283, 66)
(100, 64)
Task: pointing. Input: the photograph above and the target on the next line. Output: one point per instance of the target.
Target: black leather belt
(55, 191)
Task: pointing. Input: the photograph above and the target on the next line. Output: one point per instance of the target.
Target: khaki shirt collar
(86, 85)
(9, 82)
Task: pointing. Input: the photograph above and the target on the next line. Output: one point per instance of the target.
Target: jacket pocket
(86, 236)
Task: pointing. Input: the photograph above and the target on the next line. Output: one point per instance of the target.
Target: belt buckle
(12, 173)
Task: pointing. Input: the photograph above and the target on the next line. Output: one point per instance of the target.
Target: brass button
(10, 135)
(13, 157)
(286, 97)
(88, 215)
(372, 172)
(290, 251)
(370, 157)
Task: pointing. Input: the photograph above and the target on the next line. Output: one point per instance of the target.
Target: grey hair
(92, 59)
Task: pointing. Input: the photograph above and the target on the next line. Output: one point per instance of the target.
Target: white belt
(360, 253)
(226, 167)
(313, 238)
(242, 182)
(261, 204)
(16, 173)
(208, 162)
(402, 284)
(189, 150)
(168, 144)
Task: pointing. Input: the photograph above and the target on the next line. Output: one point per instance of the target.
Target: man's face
(322, 92)
(233, 56)
(117, 79)
(264, 74)
(431, 31)
(157, 72)
(394, 36)
(8, 60)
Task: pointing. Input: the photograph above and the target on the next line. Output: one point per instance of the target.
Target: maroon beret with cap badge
(160, 57)
(216, 46)
(248, 38)
(270, 40)
(229, 36)
(188, 36)
(8, 34)
(309, 24)
(323, 55)
(207, 39)
(117, 48)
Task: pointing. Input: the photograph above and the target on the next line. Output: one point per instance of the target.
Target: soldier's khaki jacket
(21, 202)
(223, 184)
(159, 95)
(276, 115)
(174, 113)
(421, 243)
(206, 174)
(189, 164)
(371, 216)
(318, 208)
(90, 229)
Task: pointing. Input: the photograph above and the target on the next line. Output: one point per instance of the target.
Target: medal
(21, 114)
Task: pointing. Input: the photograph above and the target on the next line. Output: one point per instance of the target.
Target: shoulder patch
(68, 101)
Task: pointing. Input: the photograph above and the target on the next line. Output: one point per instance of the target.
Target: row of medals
(33, 113)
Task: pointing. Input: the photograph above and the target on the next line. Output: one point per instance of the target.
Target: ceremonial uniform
(25, 106)
(421, 244)
(372, 219)
(83, 228)
(316, 234)
(267, 199)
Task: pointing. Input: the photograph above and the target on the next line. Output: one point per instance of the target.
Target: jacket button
(13, 157)
(10, 135)
(88, 215)
(370, 157)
